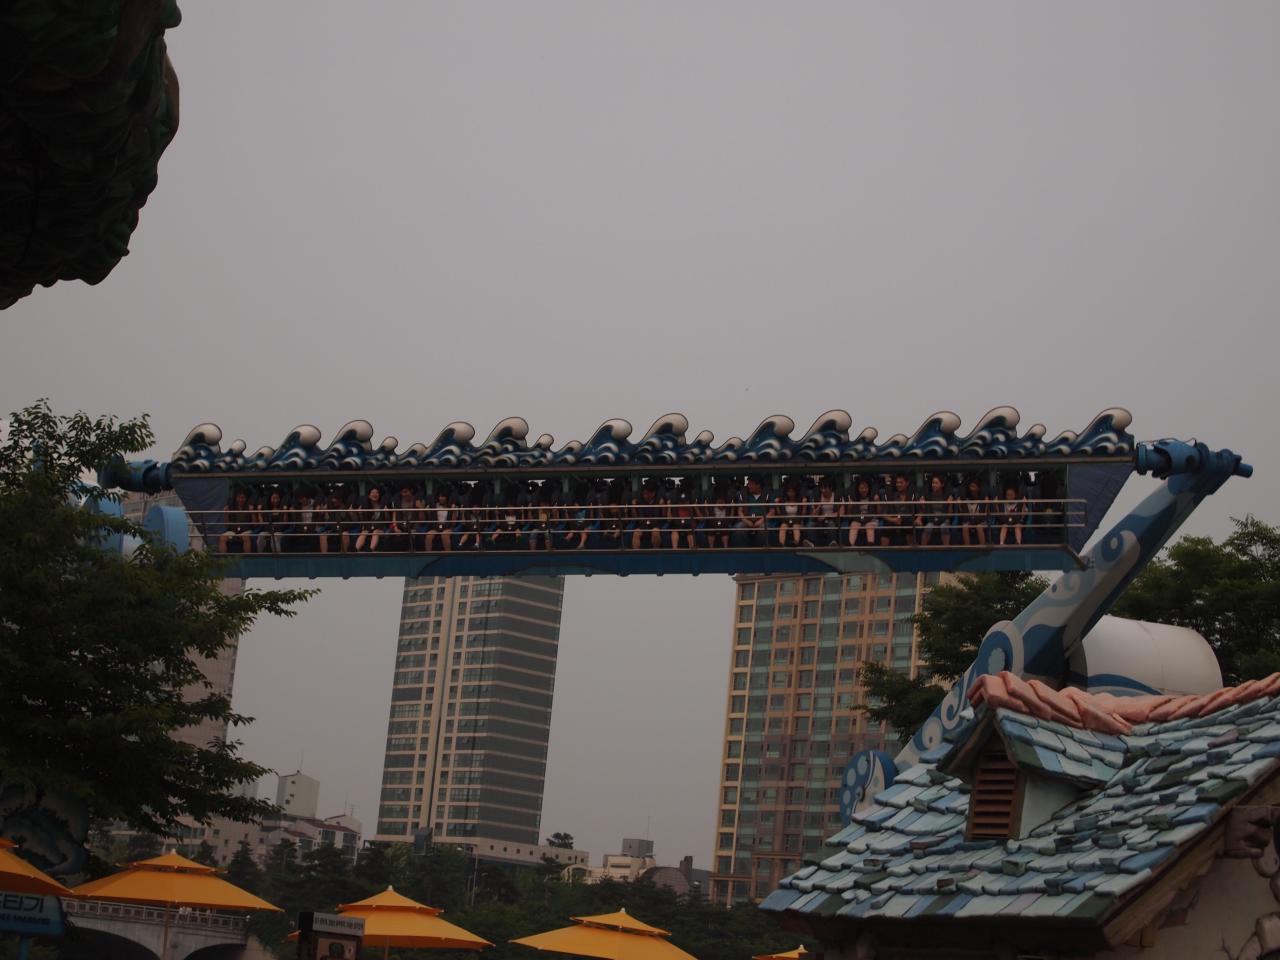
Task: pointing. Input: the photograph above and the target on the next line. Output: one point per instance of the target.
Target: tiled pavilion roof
(1153, 774)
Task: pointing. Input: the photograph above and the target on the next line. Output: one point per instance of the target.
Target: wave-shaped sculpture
(829, 440)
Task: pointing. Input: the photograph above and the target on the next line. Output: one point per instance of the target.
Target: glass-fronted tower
(792, 720)
(466, 745)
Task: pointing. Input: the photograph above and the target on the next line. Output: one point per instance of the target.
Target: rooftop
(1154, 775)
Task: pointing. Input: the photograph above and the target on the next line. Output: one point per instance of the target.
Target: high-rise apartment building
(792, 720)
(220, 670)
(471, 710)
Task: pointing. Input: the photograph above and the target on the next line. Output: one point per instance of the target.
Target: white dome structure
(1130, 657)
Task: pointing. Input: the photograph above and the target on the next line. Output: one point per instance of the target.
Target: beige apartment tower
(792, 720)
(466, 747)
(219, 671)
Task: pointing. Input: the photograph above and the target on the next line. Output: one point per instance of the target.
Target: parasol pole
(164, 949)
(24, 947)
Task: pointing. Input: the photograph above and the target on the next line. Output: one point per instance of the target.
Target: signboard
(329, 936)
(30, 915)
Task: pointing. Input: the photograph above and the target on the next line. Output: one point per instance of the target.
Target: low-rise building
(511, 852)
(637, 862)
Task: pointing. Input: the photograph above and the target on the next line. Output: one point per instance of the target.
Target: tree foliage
(952, 621)
(1229, 592)
(499, 903)
(96, 650)
(562, 841)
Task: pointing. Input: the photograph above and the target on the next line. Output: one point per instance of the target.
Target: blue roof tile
(1142, 797)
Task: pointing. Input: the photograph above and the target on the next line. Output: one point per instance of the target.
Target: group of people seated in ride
(657, 512)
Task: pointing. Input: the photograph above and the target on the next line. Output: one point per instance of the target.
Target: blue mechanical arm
(1039, 640)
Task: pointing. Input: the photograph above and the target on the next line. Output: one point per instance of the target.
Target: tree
(142, 846)
(1228, 592)
(563, 841)
(96, 650)
(953, 620)
(205, 854)
(243, 870)
(373, 868)
(327, 878)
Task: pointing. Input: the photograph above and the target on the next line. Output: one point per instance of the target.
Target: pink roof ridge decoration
(1104, 712)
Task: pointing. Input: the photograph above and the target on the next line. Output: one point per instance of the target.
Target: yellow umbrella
(799, 953)
(610, 936)
(18, 876)
(169, 881)
(393, 920)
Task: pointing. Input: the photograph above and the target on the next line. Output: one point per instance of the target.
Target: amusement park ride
(1062, 488)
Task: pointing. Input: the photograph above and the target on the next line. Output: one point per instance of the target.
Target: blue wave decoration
(665, 444)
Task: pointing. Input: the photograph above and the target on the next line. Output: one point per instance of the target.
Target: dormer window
(996, 800)
(1022, 770)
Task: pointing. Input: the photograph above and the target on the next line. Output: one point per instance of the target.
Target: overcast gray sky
(419, 212)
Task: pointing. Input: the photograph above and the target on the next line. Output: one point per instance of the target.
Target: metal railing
(705, 525)
(175, 916)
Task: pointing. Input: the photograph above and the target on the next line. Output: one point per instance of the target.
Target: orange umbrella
(169, 881)
(799, 953)
(610, 936)
(18, 876)
(393, 920)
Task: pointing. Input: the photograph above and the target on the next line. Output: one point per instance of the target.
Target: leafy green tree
(562, 841)
(142, 846)
(243, 870)
(442, 877)
(373, 868)
(1228, 592)
(205, 854)
(953, 620)
(96, 650)
(327, 878)
(282, 884)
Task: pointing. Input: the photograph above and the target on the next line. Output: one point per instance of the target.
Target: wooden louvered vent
(996, 795)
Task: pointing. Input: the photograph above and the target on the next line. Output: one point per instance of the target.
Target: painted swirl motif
(666, 443)
(868, 773)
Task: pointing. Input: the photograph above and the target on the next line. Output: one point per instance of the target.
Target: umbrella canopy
(171, 880)
(393, 920)
(799, 953)
(18, 876)
(610, 936)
